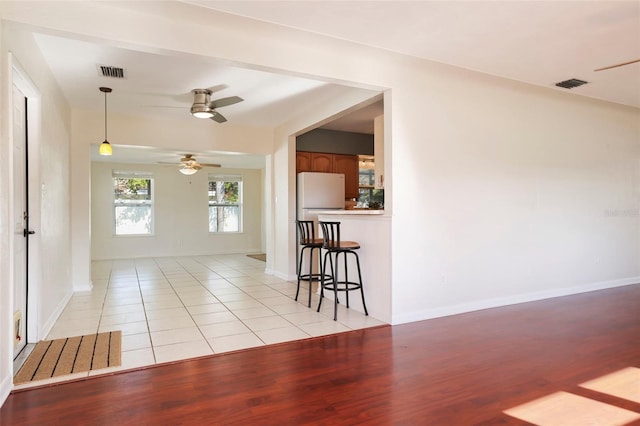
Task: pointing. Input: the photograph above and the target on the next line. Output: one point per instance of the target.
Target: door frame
(23, 82)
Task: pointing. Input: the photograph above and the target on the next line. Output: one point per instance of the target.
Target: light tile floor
(182, 307)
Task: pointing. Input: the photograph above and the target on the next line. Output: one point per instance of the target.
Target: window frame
(239, 179)
(116, 174)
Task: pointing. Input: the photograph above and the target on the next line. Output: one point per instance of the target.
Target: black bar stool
(307, 240)
(334, 247)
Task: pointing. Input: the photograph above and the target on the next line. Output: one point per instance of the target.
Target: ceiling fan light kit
(187, 170)
(105, 147)
(204, 107)
(201, 107)
(201, 114)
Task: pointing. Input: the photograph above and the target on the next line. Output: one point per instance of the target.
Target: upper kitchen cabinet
(322, 162)
(303, 162)
(314, 162)
(348, 166)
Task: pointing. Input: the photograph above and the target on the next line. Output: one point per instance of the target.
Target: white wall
(509, 188)
(181, 222)
(49, 280)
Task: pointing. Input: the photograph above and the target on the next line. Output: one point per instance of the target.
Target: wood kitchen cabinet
(348, 166)
(322, 162)
(331, 163)
(314, 162)
(303, 162)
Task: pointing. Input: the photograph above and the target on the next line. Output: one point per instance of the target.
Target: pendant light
(105, 147)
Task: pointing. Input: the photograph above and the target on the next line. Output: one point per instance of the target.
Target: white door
(20, 245)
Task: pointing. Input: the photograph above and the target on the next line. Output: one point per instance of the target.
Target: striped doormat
(59, 357)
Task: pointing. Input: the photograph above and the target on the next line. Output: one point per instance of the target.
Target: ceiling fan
(204, 107)
(189, 165)
(618, 65)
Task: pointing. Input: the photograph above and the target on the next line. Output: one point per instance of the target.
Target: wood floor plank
(459, 370)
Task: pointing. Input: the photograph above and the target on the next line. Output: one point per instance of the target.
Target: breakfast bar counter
(372, 230)
(352, 212)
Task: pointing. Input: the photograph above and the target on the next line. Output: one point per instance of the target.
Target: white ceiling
(537, 42)
(160, 85)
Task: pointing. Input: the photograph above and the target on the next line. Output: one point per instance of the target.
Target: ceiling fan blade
(219, 118)
(618, 65)
(217, 88)
(210, 165)
(225, 101)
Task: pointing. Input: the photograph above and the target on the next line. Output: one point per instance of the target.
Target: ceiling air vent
(109, 71)
(570, 84)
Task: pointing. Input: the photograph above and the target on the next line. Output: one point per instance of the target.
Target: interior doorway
(25, 205)
(21, 221)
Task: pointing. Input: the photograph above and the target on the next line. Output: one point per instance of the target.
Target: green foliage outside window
(133, 206)
(224, 205)
(132, 189)
(367, 195)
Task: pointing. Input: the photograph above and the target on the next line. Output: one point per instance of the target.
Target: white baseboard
(5, 387)
(50, 322)
(83, 288)
(269, 271)
(510, 300)
(282, 276)
(179, 254)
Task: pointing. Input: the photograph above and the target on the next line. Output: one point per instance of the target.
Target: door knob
(27, 232)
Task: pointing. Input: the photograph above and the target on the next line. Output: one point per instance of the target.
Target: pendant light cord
(105, 116)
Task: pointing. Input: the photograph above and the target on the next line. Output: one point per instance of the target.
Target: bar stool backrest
(307, 231)
(330, 234)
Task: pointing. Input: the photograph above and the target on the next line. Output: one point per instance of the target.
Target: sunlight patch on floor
(563, 408)
(624, 384)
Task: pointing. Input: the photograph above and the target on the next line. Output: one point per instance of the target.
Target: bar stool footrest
(346, 286)
(314, 277)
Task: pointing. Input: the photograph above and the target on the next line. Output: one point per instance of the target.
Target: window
(225, 201)
(366, 192)
(133, 203)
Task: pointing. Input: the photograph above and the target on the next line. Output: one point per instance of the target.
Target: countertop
(351, 212)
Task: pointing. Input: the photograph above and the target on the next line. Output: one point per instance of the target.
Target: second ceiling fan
(204, 107)
(189, 165)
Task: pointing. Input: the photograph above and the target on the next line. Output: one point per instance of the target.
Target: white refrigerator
(319, 191)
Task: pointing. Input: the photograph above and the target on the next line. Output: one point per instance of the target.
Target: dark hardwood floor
(458, 370)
